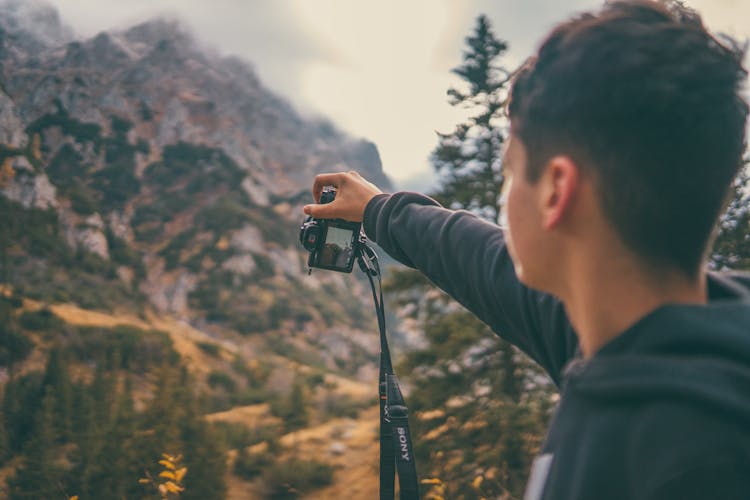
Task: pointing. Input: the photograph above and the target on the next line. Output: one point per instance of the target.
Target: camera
(334, 244)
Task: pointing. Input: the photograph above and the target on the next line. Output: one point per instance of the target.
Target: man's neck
(606, 297)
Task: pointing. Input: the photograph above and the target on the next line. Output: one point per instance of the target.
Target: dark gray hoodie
(660, 412)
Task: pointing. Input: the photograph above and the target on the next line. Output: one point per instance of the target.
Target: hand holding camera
(353, 193)
(331, 232)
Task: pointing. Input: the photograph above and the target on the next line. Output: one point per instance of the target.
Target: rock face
(29, 26)
(172, 174)
(11, 129)
(155, 76)
(31, 191)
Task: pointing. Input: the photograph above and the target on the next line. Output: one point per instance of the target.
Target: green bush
(117, 183)
(88, 290)
(171, 252)
(81, 200)
(82, 132)
(238, 436)
(123, 254)
(7, 152)
(205, 167)
(41, 320)
(221, 379)
(35, 230)
(210, 296)
(93, 263)
(250, 396)
(66, 169)
(338, 406)
(224, 215)
(142, 146)
(292, 478)
(11, 301)
(148, 218)
(120, 126)
(14, 345)
(250, 465)
(248, 324)
(210, 348)
(123, 347)
(264, 266)
(145, 213)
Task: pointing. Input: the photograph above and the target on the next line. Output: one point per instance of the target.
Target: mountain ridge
(152, 194)
(135, 180)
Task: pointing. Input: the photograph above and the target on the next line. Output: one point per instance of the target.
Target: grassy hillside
(79, 378)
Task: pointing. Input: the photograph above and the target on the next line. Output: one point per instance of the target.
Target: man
(627, 129)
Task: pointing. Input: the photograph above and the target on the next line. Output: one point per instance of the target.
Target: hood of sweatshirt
(696, 353)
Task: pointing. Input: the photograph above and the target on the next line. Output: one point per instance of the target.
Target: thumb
(319, 211)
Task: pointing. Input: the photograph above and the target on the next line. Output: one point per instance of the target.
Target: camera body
(334, 244)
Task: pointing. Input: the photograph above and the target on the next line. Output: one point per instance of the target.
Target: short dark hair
(641, 95)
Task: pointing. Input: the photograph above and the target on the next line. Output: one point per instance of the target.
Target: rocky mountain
(142, 143)
(149, 182)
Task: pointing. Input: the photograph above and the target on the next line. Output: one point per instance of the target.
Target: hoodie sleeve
(467, 258)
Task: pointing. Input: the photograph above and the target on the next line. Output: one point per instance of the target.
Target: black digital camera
(334, 244)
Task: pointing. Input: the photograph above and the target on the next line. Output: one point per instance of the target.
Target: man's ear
(561, 183)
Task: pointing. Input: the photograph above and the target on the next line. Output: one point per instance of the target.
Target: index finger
(323, 180)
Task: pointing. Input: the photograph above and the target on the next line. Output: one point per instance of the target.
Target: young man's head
(643, 101)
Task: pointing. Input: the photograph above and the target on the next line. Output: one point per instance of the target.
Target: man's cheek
(502, 214)
(510, 246)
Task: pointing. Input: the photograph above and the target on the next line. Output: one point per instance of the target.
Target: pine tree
(111, 462)
(40, 476)
(475, 386)
(173, 424)
(160, 425)
(205, 458)
(89, 439)
(57, 376)
(731, 249)
(292, 409)
(298, 415)
(468, 160)
(22, 400)
(5, 451)
(7, 226)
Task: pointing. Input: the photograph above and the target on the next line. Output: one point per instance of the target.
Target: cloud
(268, 34)
(378, 69)
(521, 23)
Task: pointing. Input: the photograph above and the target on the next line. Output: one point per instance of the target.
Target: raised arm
(467, 258)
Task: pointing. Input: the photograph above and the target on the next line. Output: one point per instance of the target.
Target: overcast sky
(378, 69)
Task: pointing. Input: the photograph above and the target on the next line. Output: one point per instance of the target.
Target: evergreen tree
(293, 408)
(7, 224)
(487, 409)
(5, 451)
(298, 415)
(468, 160)
(106, 461)
(731, 249)
(40, 476)
(160, 424)
(22, 400)
(57, 377)
(173, 424)
(89, 438)
(205, 457)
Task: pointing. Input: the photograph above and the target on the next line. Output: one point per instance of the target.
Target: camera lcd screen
(338, 250)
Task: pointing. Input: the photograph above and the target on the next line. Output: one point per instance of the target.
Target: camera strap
(396, 450)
